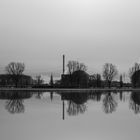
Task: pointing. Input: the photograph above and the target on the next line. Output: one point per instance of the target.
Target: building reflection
(135, 102)
(95, 96)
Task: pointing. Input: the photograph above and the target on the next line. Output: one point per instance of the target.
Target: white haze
(39, 32)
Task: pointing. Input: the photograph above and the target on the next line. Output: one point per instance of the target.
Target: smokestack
(63, 64)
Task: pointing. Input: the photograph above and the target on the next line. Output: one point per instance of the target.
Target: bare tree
(82, 67)
(15, 70)
(39, 80)
(109, 73)
(75, 66)
(135, 68)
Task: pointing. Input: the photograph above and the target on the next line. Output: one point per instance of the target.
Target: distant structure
(63, 76)
(6, 80)
(95, 81)
(76, 103)
(78, 79)
(63, 63)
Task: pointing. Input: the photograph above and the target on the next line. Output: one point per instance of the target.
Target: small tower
(51, 81)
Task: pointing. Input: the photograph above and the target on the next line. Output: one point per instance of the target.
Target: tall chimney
(63, 64)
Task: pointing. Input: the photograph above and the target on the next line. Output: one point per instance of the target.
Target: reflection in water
(135, 102)
(121, 96)
(95, 96)
(11, 95)
(39, 95)
(63, 116)
(15, 106)
(14, 103)
(109, 103)
(75, 109)
(83, 113)
(76, 102)
(44, 95)
(51, 95)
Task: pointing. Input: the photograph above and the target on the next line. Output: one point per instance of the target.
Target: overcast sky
(39, 32)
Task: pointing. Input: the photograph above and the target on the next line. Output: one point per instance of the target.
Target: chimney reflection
(51, 96)
(63, 110)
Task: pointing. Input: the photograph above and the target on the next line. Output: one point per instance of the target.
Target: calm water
(69, 116)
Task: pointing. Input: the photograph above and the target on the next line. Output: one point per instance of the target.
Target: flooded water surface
(69, 115)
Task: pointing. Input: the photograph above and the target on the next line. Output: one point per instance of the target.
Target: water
(69, 116)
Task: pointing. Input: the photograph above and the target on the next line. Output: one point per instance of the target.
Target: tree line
(108, 75)
(109, 72)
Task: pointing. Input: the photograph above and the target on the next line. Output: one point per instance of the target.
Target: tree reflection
(109, 103)
(15, 99)
(135, 102)
(15, 106)
(39, 94)
(75, 109)
(95, 96)
(76, 102)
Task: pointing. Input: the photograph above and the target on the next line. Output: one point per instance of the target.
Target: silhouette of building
(95, 80)
(78, 79)
(7, 80)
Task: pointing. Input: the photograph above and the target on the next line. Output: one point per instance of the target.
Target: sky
(39, 32)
